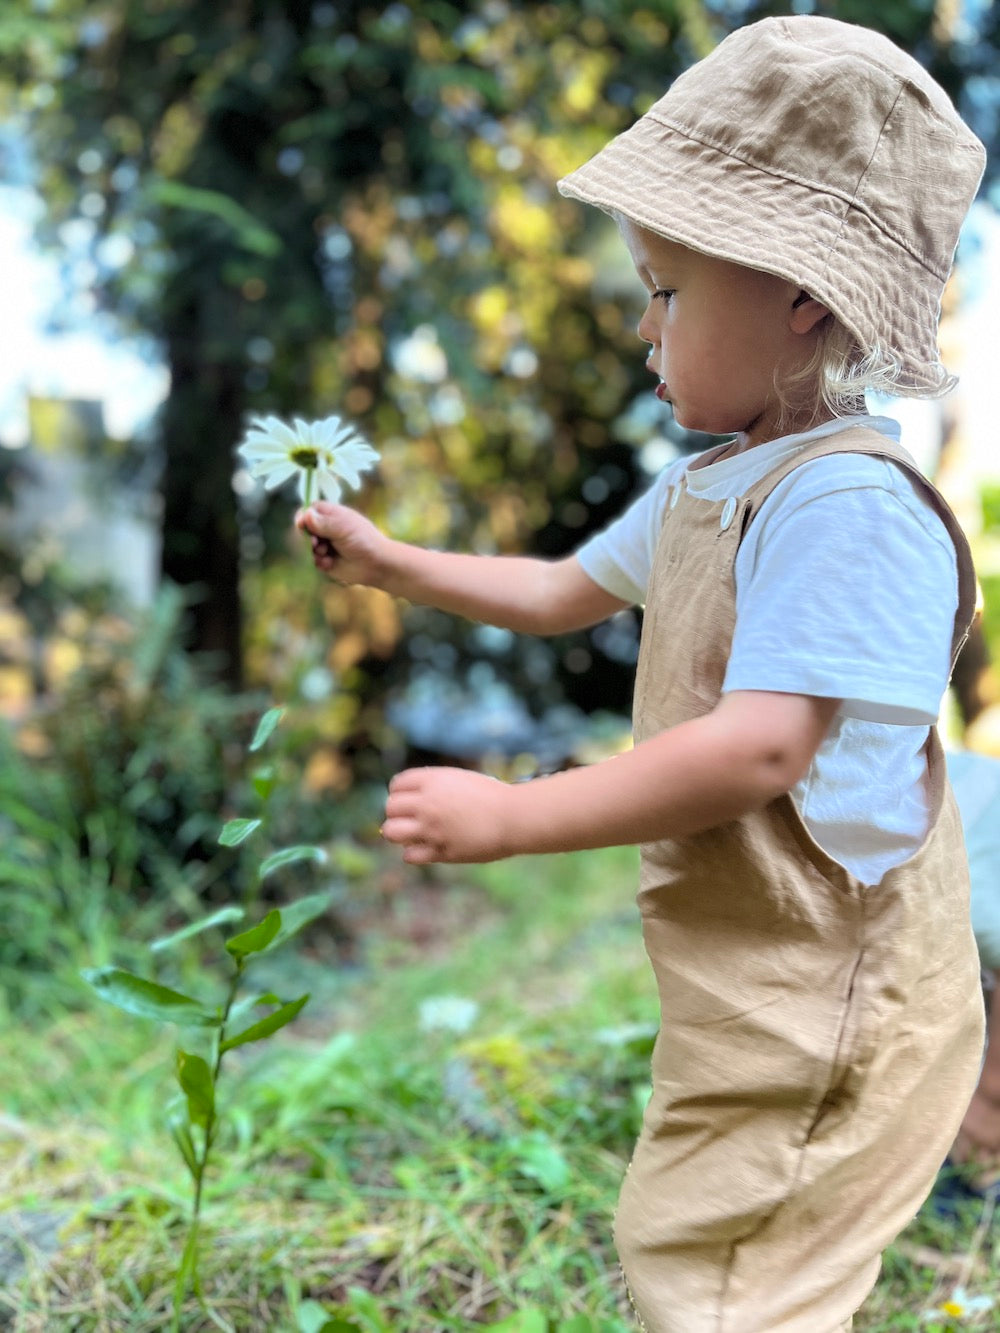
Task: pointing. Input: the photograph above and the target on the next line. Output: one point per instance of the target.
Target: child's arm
(515, 592)
(751, 748)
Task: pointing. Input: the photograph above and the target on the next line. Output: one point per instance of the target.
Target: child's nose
(645, 329)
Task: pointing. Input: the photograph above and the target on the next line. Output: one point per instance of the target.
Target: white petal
(343, 434)
(350, 460)
(277, 475)
(278, 434)
(327, 485)
(342, 468)
(330, 428)
(264, 424)
(261, 453)
(266, 445)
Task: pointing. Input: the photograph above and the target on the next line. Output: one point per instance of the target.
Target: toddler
(792, 207)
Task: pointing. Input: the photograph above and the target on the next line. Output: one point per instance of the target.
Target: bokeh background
(316, 208)
(215, 208)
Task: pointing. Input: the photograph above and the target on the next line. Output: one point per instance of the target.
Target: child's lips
(661, 388)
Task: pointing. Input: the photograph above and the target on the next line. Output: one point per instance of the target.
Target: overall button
(728, 513)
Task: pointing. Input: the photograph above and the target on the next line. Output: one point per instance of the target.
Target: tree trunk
(202, 421)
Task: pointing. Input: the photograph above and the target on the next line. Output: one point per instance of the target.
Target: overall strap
(866, 440)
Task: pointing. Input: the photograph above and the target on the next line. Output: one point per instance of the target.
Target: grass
(396, 1178)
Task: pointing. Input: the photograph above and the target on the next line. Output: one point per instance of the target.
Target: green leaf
(266, 1026)
(264, 780)
(136, 995)
(248, 232)
(578, 1323)
(296, 915)
(195, 1078)
(364, 1304)
(265, 727)
(257, 938)
(537, 1157)
(312, 1318)
(532, 1320)
(181, 1135)
(236, 831)
(198, 927)
(288, 856)
(242, 1007)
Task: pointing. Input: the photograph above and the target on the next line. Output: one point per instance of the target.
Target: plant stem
(210, 1120)
(310, 473)
(190, 1260)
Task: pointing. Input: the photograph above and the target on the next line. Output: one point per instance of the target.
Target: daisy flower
(321, 454)
(960, 1305)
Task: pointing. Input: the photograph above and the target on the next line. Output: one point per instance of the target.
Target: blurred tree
(350, 207)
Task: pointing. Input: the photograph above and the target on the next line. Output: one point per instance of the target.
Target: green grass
(403, 1180)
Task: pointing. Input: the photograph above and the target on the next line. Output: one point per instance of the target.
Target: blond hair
(835, 378)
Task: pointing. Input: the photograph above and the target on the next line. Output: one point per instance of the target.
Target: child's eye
(663, 293)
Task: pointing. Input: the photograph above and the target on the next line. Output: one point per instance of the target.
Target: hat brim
(716, 203)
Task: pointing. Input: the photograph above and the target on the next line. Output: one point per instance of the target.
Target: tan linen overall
(820, 1039)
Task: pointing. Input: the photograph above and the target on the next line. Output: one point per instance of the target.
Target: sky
(86, 363)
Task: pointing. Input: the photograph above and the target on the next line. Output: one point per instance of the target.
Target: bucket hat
(816, 150)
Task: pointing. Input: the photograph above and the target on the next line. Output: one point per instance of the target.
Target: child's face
(719, 333)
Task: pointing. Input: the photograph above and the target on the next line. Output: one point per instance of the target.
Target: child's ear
(806, 313)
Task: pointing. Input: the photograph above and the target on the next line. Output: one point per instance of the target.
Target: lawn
(434, 1144)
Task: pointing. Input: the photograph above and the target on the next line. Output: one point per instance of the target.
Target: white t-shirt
(846, 588)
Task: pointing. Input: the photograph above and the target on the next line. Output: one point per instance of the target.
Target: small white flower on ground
(960, 1305)
(447, 1013)
(322, 454)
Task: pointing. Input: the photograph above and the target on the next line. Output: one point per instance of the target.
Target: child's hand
(345, 545)
(448, 814)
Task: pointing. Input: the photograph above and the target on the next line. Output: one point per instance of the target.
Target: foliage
(141, 739)
(111, 793)
(103, 796)
(66, 876)
(315, 206)
(382, 1171)
(194, 1125)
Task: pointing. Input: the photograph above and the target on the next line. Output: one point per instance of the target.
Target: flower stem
(310, 472)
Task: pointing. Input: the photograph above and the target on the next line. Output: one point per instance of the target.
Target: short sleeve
(620, 557)
(847, 587)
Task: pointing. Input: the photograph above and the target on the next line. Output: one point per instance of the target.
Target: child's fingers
(308, 521)
(401, 829)
(411, 779)
(421, 854)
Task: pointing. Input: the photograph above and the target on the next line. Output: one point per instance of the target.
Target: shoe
(957, 1192)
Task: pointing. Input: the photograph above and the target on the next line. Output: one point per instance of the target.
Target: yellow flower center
(953, 1308)
(304, 456)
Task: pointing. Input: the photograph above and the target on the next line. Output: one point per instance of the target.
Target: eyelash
(664, 292)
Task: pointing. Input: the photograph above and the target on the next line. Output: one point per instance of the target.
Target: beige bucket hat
(816, 150)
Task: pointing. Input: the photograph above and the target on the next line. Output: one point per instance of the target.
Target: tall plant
(240, 1016)
(324, 453)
